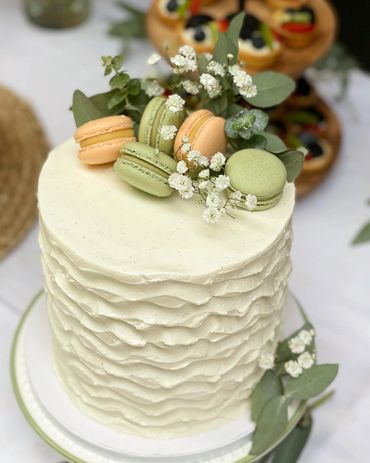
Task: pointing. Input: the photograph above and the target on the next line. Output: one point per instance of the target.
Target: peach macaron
(205, 133)
(100, 140)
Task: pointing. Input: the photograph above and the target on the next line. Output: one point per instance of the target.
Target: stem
(321, 400)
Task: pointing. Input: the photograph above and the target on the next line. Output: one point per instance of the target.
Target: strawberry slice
(195, 7)
(223, 25)
(298, 27)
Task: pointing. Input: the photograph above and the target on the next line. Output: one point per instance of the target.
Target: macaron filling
(116, 134)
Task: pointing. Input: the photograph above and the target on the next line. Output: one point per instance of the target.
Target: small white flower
(168, 132)
(186, 147)
(305, 336)
(216, 69)
(211, 215)
(293, 368)
(296, 345)
(152, 88)
(305, 360)
(174, 180)
(208, 56)
(204, 174)
(194, 156)
(236, 195)
(187, 51)
(266, 362)
(185, 139)
(234, 69)
(205, 185)
(222, 182)
(242, 79)
(190, 87)
(211, 85)
(217, 161)
(248, 91)
(203, 161)
(230, 56)
(175, 103)
(251, 202)
(213, 200)
(154, 58)
(182, 167)
(312, 332)
(181, 183)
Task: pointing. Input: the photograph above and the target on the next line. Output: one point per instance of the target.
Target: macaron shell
(142, 178)
(103, 153)
(148, 154)
(256, 172)
(148, 119)
(168, 118)
(102, 126)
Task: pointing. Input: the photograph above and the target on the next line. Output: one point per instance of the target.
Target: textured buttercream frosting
(158, 318)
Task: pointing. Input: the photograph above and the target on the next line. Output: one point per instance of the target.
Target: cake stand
(52, 414)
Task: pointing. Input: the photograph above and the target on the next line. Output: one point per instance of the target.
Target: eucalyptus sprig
(288, 379)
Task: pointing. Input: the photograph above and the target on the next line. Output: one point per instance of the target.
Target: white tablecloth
(330, 277)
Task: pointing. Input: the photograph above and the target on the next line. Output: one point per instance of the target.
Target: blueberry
(303, 87)
(315, 149)
(199, 35)
(307, 138)
(258, 42)
(172, 6)
(250, 24)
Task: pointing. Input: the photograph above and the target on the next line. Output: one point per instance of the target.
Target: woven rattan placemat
(23, 149)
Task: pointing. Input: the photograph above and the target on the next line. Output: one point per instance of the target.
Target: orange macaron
(100, 140)
(205, 133)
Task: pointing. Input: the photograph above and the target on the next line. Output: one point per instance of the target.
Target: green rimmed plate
(79, 439)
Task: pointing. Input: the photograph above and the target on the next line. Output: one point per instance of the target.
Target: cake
(159, 320)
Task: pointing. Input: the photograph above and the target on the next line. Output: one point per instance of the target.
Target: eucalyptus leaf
(119, 80)
(218, 105)
(222, 46)
(311, 382)
(271, 424)
(202, 63)
(293, 161)
(272, 89)
(233, 33)
(117, 98)
(127, 6)
(84, 109)
(256, 142)
(101, 101)
(292, 446)
(269, 386)
(363, 235)
(274, 143)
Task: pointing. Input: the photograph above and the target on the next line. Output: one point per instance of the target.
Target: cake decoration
(296, 25)
(221, 101)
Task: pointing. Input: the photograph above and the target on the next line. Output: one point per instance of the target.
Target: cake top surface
(105, 224)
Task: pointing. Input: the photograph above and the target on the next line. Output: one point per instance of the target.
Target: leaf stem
(321, 400)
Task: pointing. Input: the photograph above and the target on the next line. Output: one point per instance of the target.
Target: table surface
(330, 277)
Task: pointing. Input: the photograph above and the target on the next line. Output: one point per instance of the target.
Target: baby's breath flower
(208, 56)
(181, 183)
(205, 185)
(182, 167)
(266, 362)
(204, 173)
(296, 345)
(175, 103)
(168, 132)
(216, 69)
(235, 68)
(194, 156)
(305, 336)
(187, 51)
(190, 87)
(293, 368)
(186, 147)
(243, 81)
(211, 215)
(211, 85)
(251, 202)
(248, 91)
(230, 56)
(152, 88)
(213, 200)
(236, 195)
(203, 161)
(305, 360)
(222, 182)
(217, 161)
(154, 58)
(312, 332)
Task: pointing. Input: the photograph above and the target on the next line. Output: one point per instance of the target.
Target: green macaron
(259, 173)
(156, 116)
(145, 168)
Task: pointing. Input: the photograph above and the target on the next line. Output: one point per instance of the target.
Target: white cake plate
(80, 439)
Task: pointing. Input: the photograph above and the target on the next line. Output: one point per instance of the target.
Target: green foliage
(311, 382)
(293, 162)
(133, 27)
(269, 386)
(271, 424)
(363, 236)
(84, 109)
(273, 89)
(246, 123)
(292, 446)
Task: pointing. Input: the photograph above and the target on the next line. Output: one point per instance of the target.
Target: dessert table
(330, 277)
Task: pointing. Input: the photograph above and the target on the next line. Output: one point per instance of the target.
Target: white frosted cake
(158, 318)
